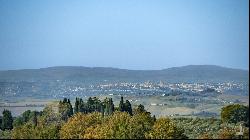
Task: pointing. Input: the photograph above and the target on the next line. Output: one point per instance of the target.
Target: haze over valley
(188, 86)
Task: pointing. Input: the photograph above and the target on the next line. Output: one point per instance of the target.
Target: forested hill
(190, 73)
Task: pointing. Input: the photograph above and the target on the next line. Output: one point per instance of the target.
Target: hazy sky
(131, 34)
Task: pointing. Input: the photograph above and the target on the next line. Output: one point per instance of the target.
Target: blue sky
(138, 34)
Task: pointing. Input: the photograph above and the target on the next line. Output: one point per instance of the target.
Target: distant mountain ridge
(190, 73)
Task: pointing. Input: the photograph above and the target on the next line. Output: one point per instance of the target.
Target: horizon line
(121, 68)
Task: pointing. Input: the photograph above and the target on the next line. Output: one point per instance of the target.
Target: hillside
(191, 73)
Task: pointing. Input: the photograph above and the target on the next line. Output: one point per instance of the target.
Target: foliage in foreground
(46, 126)
(119, 125)
(164, 128)
(76, 126)
(235, 113)
(209, 128)
(99, 120)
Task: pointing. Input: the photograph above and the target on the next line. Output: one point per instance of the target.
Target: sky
(128, 34)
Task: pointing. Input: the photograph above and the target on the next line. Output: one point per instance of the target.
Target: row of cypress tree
(92, 105)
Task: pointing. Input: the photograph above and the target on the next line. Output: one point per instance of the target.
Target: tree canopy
(164, 128)
(235, 113)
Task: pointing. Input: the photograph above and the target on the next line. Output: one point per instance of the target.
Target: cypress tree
(70, 108)
(65, 108)
(107, 106)
(65, 100)
(128, 107)
(76, 108)
(60, 106)
(95, 104)
(154, 118)
(141, 108)
(121, 105)
(112, 107)
(89, 105)
(82, 106)
(102, 110)
(7, 120)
